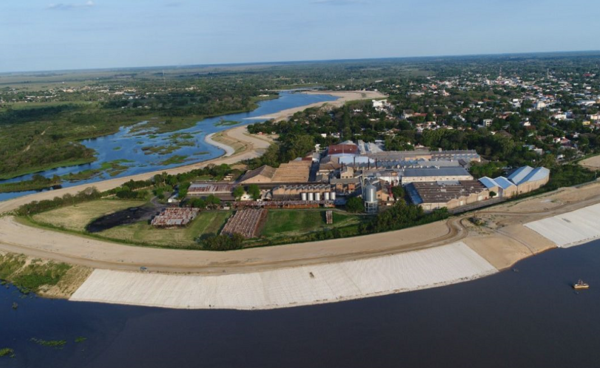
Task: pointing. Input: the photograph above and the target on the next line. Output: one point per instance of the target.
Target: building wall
(457, 202)
(508, 192)
(532, 185)
(417, 179)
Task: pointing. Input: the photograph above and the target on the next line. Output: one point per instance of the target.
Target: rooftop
(434, 171)
(438, 192)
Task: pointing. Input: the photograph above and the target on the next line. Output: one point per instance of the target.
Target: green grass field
(285, 223)
(76, 217)
(209, 222)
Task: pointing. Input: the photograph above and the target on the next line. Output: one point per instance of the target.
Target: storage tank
(370, 194)
(303, 195)
(326, 194)
(333, 196)
(311, 196)
(317, 196)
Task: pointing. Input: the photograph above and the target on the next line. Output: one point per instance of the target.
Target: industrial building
(429, 174)
(434, 195)
(307, 192)
(221, 190)
(344, 149)
(292, 172)
(528, 179)
(503, 187)
(523, 180)
(263, 174)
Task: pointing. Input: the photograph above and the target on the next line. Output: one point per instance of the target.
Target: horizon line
(257, 63)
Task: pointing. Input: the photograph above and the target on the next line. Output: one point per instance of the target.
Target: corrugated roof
(442, 171)
(519, 175)
(537, 174)
(488, 182)
(503, 182)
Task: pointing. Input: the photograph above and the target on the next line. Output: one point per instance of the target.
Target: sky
(87, 34)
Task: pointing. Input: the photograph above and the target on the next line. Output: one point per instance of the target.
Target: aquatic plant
(58, 344)
(6, 352)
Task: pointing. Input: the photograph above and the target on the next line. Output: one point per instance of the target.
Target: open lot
(283, 223)
(209, 222)
(76, 217)
(592, 163)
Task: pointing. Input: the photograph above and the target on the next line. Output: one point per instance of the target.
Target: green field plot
(286, 223)
(76, 217)
(209, 222)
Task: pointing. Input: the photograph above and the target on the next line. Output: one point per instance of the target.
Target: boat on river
(580, 285)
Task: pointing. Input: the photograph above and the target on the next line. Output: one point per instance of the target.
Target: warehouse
(412, 175)
(528, 179)
(263, 174)
(292, 172)
(435, 195)
(503, 187)
(219, 190)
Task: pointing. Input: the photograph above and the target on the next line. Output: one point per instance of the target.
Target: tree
(221, 242)
(212, 201)
(238, 192)
(355, 204)
(493, 194)
(198, 203)
(398, 192)
(254, 191)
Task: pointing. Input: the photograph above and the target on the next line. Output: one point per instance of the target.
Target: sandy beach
(343, 98)
(253, 147)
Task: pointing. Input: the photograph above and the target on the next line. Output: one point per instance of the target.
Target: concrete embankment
(289, 287)
(570, 229)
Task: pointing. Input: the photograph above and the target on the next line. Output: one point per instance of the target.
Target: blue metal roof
(520, 174)
(503, 182)
(527, 173)
(413, 194)
(488, 182)
(537, 174)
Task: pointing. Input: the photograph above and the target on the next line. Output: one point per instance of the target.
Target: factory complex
(431, 179)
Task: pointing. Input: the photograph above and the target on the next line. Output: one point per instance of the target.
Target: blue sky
(82, 34)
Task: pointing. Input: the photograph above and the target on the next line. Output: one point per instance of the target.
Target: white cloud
(62, 6)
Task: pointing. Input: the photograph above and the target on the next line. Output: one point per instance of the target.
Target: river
(526, 317)
(140, 152)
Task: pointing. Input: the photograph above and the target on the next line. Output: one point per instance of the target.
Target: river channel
(131, 151)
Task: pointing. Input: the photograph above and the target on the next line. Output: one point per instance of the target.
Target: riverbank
(45, 278)
(253, 147)
(502, 240)
(290, 287)
(343, 98)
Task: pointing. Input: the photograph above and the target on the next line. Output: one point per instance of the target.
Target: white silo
(333, 196)
(370, 198)
(317, 196)
(311, 197)
(326, 194)
(303, 195)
